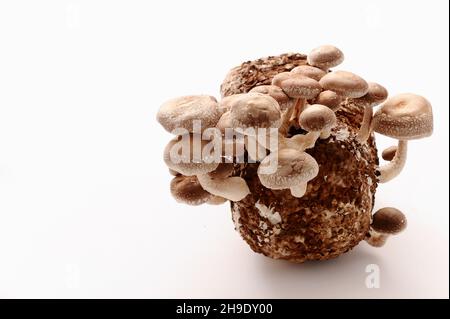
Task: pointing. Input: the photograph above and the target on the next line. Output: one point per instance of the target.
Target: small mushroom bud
(386, 221)
(293, 171)
(330, 99)
(318, 118)
(325, 57)
(389, 153)
(187, 189)
(375, 95)
(344, 83)
(179, 113)
(404, 117)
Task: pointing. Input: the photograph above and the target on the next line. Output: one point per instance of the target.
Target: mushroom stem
(394, 167)
(232, 188)
(299, 190)
(302, 141)
(364, 130)
(286, 120)
(299, 142)
(376, 239)
(325, 133)
(298, 109)
(255, 150)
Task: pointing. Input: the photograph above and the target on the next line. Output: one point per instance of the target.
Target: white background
(85, 208)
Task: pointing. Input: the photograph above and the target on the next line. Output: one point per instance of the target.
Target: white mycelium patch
(299, 239)
(267, 212)
(263, 225)
(342, 134)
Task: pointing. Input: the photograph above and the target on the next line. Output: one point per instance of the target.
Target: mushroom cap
(309, 71)
(224, 122)
(254, 110)
(388, 154)
(316, 118)
(284, 101)
(226, 102)
(185, 164)
(330, 99)
(187, 189)
(325, 57)
(345, 84)
(180, 112)
(405, 117)
(375, 95)
(297, 85)
(389, 220)
(216, 200)
(222, 171)
(294, 167)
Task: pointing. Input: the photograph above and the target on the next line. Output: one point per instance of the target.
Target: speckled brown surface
(335, 213)
(249, 74)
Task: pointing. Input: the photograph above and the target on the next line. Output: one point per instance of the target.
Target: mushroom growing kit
(291, 146)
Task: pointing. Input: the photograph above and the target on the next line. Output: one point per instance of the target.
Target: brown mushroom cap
(216, 200)
(345, 84)
(226, 102)
(330, 99)
(316, 118)
(297, 85)
(294, 167)
(389, 220)
(182, 111)
(389, 153)
(309, 71)
(187, 189)
(224, 122)
(405, 116)
(222, 171)
(254, 110)
(184, 163)
(325, 57)
(284, 101)
(375, 95)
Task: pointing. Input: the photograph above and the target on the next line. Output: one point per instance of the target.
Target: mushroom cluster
(291, 146)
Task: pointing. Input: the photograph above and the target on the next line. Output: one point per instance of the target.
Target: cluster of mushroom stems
(306, 98)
